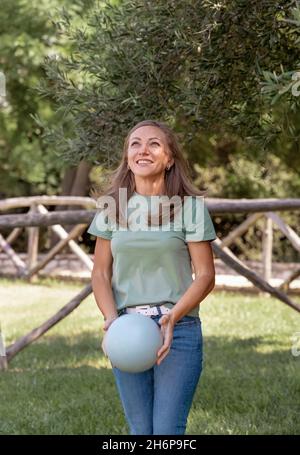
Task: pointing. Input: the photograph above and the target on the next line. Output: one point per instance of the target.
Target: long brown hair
(178, 181)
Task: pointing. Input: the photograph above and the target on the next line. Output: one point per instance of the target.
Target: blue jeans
(157, 401)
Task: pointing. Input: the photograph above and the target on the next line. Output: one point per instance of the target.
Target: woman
(150, 272)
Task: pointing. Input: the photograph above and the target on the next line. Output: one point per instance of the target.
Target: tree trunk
(75, 183)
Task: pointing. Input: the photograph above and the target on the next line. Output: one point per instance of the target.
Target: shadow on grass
(62, 385)
(251, 385)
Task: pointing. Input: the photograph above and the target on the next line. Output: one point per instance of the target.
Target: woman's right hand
(106, 326)
(108, 322)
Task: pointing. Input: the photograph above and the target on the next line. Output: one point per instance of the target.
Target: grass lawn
(63, 384)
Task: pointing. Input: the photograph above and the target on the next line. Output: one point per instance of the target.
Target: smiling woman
(148, 153)
(149, 272)
(136, 144)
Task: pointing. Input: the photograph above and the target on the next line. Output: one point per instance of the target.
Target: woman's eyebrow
(149, 138)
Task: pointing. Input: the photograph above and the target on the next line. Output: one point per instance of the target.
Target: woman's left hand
(167, 327)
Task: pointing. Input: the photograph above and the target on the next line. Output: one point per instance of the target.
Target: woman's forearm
(198, 290)
(103, 293)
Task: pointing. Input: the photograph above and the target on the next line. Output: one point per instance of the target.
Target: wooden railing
(37, 216)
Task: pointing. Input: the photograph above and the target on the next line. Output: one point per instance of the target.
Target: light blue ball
(132, 342)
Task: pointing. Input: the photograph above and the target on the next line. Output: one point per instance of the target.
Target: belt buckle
(154, 310)
(147, 310)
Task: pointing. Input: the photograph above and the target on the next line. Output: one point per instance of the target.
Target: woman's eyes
(151, 143)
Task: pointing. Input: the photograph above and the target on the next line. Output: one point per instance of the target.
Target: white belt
(148, 310)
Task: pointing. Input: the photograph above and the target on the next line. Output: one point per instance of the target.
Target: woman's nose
(144, 149)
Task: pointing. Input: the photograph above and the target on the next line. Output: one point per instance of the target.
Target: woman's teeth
(144, 162)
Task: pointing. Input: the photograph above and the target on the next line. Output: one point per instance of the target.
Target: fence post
(33, 243)
(3, 358)
(267, 243)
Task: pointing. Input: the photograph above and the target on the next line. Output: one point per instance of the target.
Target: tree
(27, 164)
(282, 93)
(196, 64)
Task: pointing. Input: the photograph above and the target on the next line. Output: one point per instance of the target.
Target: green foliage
(281, 91)
(197, 65)
(27, 164)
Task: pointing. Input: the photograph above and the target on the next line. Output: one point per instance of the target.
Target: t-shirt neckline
(147, 195)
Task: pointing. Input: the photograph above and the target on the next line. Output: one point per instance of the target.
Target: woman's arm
(101, 279)
(204, 282)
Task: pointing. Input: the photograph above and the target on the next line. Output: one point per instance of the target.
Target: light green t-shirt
(152, 265)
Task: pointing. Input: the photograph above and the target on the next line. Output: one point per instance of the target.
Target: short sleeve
(198, 225)
(100, 226)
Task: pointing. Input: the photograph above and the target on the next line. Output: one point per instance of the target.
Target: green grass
(63, 384)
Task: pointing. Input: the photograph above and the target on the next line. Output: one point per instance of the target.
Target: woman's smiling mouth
(143, 162)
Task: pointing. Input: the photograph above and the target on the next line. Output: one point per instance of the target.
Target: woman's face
(148, 143)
